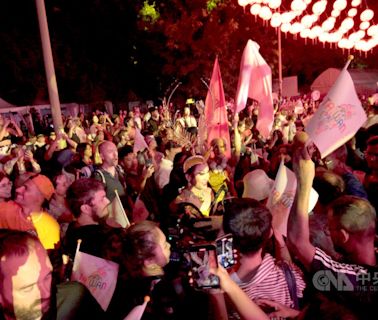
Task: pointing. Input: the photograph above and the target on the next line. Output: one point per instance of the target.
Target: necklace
(199, 193)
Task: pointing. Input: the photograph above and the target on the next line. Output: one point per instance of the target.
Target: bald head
(108, 153)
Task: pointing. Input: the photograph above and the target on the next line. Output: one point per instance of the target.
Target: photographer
(8, 130)
(22, 161)
(145, 253)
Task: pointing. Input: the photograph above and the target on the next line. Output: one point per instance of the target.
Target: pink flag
(282, 196)
(98, 275)
(339, 116)
(255, 81)
(139, 142)
(215, 110)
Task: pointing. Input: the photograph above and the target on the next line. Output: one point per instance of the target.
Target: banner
(339, 116)
(282, 197)
(98, 275)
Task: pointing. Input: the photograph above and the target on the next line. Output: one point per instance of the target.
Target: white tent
(5, 104)
(365, 81)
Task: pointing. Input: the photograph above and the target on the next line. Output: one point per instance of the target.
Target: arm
(29, 157)
(237, 139)
(298, 224)
(18, 132)
(147, 172)
(281, 250)
(49, 153)
(72, 143)
(244, 306)
(4, 129)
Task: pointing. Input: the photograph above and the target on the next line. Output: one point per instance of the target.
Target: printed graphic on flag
(98, 275)
(282, 197)
(339, 116)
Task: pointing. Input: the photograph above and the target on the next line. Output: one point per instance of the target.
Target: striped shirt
(269, 282)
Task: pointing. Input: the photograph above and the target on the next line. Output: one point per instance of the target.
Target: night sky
(105, 50)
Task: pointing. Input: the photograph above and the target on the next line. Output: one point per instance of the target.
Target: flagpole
(49, 66)
(173, 91)
(279, 64)
(350, 58)
(211, 93)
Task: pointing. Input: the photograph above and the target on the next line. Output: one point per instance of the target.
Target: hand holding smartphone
(225, 251)
(202, 258)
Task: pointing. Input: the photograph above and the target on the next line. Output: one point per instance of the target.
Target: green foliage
(212, 4)
(149, 12)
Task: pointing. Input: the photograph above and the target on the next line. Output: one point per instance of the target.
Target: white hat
(257, 185)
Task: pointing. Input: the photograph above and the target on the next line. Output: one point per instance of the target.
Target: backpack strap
(101, 175)
(291, 283)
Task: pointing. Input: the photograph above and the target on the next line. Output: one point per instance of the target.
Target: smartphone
(225, 251)
(202, 258)
(148, 162)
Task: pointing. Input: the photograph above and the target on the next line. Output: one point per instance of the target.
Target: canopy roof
(365, 81)
(5, 104)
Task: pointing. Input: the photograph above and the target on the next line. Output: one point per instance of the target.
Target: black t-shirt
(93, 237)
(167, 302)
(355, 286)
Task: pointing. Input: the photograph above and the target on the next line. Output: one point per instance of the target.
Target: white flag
(255, 81)
(139, 142)
(117, 213)
(98, 275)
(282, 197)
(339, 116)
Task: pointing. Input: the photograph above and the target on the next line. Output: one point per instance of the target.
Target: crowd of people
(179, 190)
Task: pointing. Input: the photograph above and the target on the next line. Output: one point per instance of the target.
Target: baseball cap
(43, 183)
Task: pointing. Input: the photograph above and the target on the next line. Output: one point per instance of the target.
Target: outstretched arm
(244, 305)
(298, 225)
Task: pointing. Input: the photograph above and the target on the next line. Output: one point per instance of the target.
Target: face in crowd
(28, 194)
(25, 283)
(109, 154)
(200, 176)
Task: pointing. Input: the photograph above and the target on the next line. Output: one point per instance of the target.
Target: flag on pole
(98, 275)
(255, 81)
(137, 312)
(339, 116)
(117, 213)
(215, 110)
(139, 142)
(282, 197)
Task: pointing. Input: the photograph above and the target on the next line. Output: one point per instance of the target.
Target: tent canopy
(5, 104)
(365, 81)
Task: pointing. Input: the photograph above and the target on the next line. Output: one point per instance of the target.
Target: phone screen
(202, 258)
(225, 251)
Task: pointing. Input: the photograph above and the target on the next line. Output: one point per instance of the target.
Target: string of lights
(345, 24)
